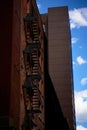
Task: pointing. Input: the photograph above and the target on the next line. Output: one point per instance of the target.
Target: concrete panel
(59, 56)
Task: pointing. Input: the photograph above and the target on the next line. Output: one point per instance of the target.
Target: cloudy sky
(78, 26)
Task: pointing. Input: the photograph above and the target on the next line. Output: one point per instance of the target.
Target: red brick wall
(17, 67)
(15, 64)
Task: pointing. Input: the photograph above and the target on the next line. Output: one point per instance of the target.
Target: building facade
(57, 47)
(57, 29)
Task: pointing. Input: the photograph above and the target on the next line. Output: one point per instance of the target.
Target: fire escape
(33, 85)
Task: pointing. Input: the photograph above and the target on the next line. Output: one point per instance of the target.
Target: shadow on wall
(54, 118)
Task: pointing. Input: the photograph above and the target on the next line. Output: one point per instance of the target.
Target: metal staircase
(33, 95)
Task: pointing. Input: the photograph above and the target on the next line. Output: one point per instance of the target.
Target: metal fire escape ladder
(33, 85)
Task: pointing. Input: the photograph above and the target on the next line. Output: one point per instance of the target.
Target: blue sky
(78, 26)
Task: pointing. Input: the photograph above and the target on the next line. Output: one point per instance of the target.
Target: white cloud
(81, 106)
(78, 17)
(81, 61)
(73, 62)
(84, 81)
(79, 127)
(39, 5)
(74, 40)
